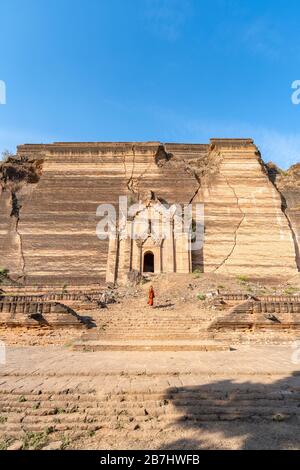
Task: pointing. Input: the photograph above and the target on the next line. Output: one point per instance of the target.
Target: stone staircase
(136, 321)
(142, 404)
(133, 325)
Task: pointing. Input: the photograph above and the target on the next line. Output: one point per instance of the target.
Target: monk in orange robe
(151, 296)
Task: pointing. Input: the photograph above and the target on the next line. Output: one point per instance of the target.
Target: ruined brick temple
(49, 195)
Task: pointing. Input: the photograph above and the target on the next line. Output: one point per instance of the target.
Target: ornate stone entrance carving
(148, 231)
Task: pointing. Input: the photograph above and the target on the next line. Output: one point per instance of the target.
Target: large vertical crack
(23, 267)
(163, 158)
(15, 213)
(237, 227)
(197, 189)
(130, 181)
(17, 174)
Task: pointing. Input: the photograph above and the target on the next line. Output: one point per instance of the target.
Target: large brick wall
(54, 241)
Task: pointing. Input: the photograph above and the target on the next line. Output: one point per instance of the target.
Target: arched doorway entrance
(148, 262)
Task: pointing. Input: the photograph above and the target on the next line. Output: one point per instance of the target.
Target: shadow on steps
(258, 415)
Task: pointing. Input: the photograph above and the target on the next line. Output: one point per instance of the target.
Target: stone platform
(150, 345)
(37, 313)
(269, 313)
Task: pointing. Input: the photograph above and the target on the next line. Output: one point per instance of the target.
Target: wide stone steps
(153, 325)
(153, 407)
(110, 422)
(140, 323)
(150, 321)
(157, 337)
(163, 344)
(183, 334)
(90, 411)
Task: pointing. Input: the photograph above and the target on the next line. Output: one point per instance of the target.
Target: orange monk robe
(151, 296)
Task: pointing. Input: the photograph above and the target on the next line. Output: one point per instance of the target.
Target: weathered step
(88, 414)
(102, 345)
(109, 420)
(131, 398)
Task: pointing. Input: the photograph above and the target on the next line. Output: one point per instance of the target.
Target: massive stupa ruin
(91, 363)
(49, 195)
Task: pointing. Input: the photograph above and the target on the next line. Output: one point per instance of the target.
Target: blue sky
(137, 70)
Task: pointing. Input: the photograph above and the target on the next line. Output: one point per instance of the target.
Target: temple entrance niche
(150, 241)
(148, 266)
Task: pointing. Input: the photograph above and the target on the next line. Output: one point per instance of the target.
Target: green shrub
(5, 443)
(291, 290)
(35, 440)
(197, 273)
(65, 288)
(3, 272)
(59, 411)
(65, 442)
(278, 417)
(242, 278)
(201, 296)
(49, 430)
